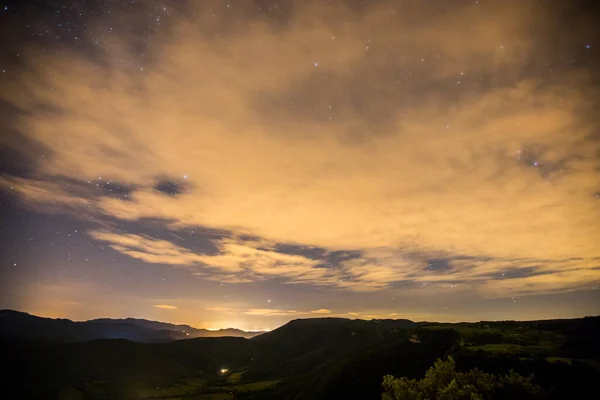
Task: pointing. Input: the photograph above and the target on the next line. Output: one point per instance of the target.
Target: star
(286, 177)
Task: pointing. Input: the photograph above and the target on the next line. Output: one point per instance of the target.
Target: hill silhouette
(321, 358)
(22, 325)
(302, 344)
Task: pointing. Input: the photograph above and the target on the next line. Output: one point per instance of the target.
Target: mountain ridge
(24, 325)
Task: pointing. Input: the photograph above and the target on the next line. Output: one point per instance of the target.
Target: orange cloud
(321, 311)
(269, 312)
(502, 173)
(165, 307)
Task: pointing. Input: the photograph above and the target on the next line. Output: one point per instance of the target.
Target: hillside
(324, 358)
(301, 345)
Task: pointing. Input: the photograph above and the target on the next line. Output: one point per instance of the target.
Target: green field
(464, 331)
(186, 388)
(560, 359)
(199, 388)
(521, 340)
(200, 391)
(253, 387)
(504, 348)
(210, 396)
(235, 377)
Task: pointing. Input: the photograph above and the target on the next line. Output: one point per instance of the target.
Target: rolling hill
(17, 324)
(321, 358)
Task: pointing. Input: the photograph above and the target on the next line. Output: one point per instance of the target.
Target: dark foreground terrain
(327, 358)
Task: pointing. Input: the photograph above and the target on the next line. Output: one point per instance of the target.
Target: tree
(443, 382)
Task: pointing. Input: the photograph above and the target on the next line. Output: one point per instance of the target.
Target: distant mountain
(15, 324)
(156, 325)
(187, 331)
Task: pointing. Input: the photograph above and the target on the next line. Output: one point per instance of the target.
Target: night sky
(245, 163)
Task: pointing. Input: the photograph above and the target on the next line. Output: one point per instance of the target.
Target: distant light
(316, 64)
(224, 371)
(588, 46)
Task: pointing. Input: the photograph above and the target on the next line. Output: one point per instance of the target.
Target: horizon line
(265, 330)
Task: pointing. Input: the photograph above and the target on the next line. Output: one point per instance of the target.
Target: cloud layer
(165, 307)
(404, 134)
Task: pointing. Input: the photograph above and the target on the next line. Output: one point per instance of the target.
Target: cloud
(148, 249)
(551, 282)
(47, 196)
(165, 307)
(269, 312)
(321, 311)
(237, 261)
(221, 309)
(382, 134)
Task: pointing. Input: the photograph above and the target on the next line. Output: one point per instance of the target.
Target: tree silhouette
(443, 382)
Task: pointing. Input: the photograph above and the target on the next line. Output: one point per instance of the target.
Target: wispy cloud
(165, 307)
(47, 196)
(549, 282)
(321, 311)
(237, 261)
(502, 171)
(221, 309)
(269, 312)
